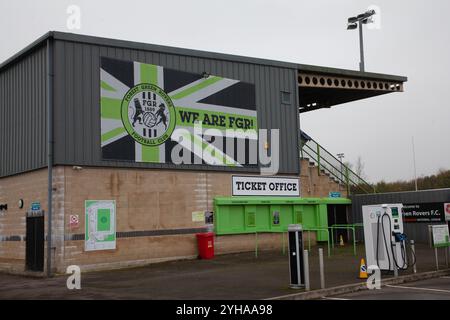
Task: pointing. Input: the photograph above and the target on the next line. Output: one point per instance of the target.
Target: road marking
(332, 298)
(416, 288)
(445, 277)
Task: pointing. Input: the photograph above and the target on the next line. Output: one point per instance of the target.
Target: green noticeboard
(239, 215)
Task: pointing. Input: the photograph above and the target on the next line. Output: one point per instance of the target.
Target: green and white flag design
(143, 104)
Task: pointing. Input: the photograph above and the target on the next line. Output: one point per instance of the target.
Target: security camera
(77, 168)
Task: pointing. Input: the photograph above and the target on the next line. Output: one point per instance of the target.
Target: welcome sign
(424, 212)
(143, 105)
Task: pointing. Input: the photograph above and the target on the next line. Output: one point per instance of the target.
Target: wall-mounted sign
(143, 105)
(424, 212)
(334, 195)
(100, 225)
(74, 221)
(440, 235)
(265, 186)
(35, 206)
(198, 216)
(35, 210)
(209, 217)
(447, 211)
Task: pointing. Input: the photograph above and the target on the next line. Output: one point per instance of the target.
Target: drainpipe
(49, 153)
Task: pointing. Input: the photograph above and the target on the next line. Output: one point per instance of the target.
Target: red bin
(205, 245)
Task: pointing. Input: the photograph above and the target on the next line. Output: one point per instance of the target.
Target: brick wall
(313, 185)
(31, 187)
(147, 201)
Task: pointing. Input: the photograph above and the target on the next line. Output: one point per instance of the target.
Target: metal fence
(337, 170)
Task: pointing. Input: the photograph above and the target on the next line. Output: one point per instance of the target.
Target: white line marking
(331, 298)
(361, 285)
(445, 277)
(416, 288)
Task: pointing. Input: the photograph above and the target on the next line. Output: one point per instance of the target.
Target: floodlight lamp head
(369, 13)
(352, 26)
(361, 16)
(368, 20)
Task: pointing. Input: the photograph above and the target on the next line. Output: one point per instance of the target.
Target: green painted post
(322, 218)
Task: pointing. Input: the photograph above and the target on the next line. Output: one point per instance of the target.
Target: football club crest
(148, 114)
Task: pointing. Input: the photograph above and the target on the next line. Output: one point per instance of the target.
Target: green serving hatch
(240, 215)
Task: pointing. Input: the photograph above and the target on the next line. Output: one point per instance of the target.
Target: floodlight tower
(353, 23)
(340, 156)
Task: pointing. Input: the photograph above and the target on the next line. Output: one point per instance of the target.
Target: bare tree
(359, 168)
(348, 165)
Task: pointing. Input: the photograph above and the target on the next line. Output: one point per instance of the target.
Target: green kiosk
(263, 214)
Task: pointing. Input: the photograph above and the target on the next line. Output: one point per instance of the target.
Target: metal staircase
(329, 165)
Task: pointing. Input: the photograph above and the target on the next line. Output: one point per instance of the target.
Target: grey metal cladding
(23, 130)
(77, 100)
(415, 231)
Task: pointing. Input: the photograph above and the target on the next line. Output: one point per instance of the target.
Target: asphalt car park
(233, 276)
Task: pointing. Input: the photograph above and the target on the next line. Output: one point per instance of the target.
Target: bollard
(322, 271)
(393, 261)
(306, 266)
(413, 250)
(296, 263)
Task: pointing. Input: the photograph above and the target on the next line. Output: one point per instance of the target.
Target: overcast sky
(413, 41)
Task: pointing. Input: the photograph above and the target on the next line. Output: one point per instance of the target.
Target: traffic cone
(341, 240)
(363, 270)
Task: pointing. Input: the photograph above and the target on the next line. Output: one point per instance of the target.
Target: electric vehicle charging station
(296, 267)
(384, 239)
